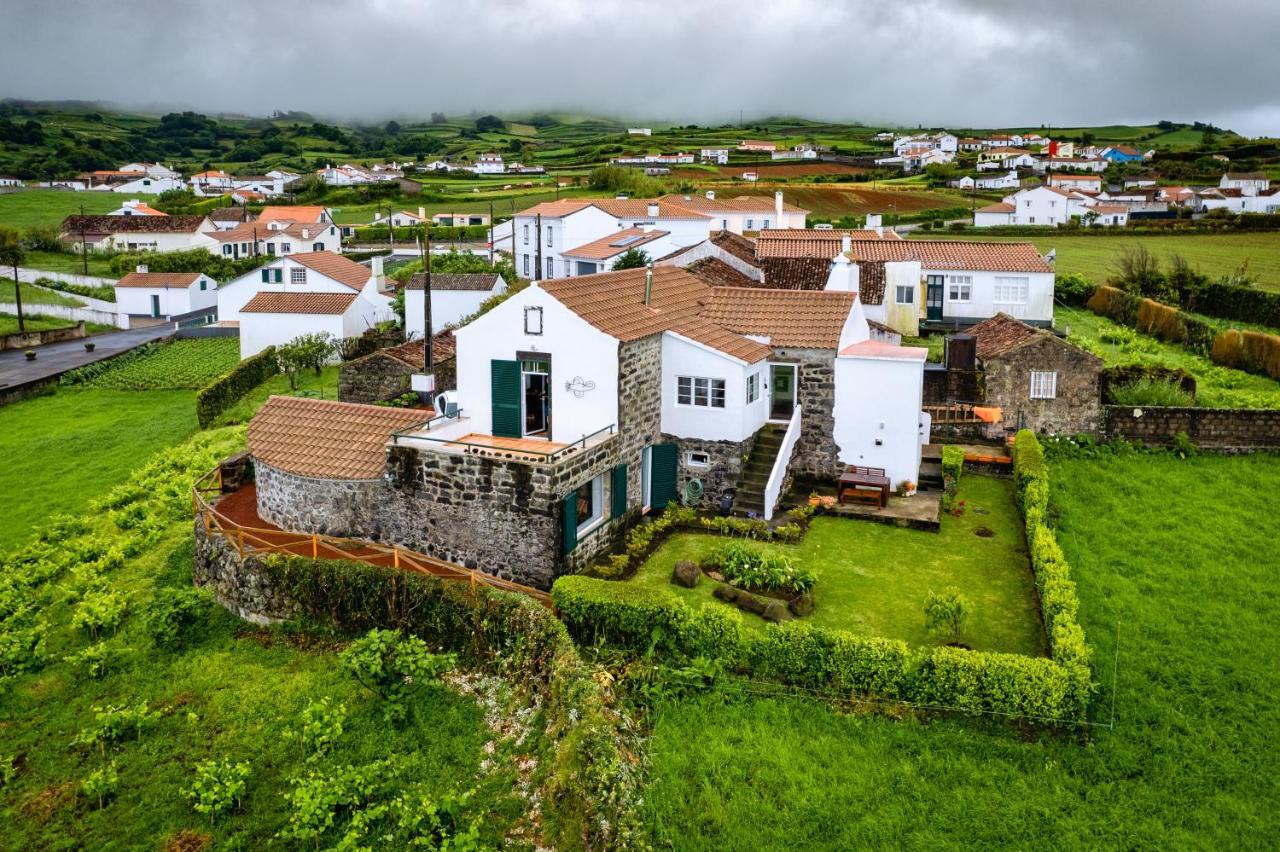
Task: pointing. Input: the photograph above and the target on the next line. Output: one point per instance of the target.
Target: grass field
(63, 449)
(873, 578)
(99, 264)
(39, 322)
(1215, 386)
(51, 206)
(37, 295)
(1187, 765)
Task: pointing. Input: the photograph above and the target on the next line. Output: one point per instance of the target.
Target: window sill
(592, 528)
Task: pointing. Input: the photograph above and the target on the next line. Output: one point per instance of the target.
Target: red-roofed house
(165, 294)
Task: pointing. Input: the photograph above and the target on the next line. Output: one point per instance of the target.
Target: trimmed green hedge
(952, 462)
(225, 391)
(589, 789)
(413, 232)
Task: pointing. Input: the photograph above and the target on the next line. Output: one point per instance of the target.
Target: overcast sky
(937, 62)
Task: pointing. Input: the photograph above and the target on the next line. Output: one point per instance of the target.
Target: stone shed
(385, 374)
(1037, 379)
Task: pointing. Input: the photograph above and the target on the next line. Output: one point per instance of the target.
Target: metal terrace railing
(518, 449)
(261, 540)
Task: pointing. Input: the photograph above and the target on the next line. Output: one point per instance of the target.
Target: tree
(392, 128)
(490, 122)
(946, 613)
(438, 118)
(632, 259)
(307, 350)
(11, 255)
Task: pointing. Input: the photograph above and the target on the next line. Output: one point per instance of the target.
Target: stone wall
(379, 377)
(816, 453)
(26, 340)
(337, 507)
(239, 585)
(942, 385)
(722, 474)
(1225, 429)
(1078, 405)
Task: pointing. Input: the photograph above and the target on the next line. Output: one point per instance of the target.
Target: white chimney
(777, 206)
(846, 244)
(873, 220)
(653, 209)
(422, 212)
(842, 276)
(142, 267)
(711, 195)
(306, 233)
(376, 268)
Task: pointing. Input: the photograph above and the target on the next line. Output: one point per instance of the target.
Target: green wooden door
(505, 392)
(662, 475)
(570, 521)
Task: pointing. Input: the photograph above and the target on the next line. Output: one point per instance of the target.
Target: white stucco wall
(234, 294)
(258, 331)
(447, 307)
(737, 420)
(879, 399)
(577, 349)
(173, 300)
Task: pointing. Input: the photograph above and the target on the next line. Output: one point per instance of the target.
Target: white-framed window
(753, 388)
(526, 265)
(551, 267)
(550, 236)
(1011, 290)
(750, 225)
(698, 391)
(227, 248)
(698, 459)
(297, 276)
(285, 248)
(1044, 384)
(905, 294)
(533, 320)
(590, 508)
(959, 288)
(526, 234)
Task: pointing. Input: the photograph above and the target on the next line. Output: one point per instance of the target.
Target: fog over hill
(959, 62)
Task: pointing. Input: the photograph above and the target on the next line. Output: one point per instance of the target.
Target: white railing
(777, 476)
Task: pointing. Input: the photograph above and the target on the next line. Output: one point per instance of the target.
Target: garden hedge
(225, 391)
(952, 462)
(589, 789)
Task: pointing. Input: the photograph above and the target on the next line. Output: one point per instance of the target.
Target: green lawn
(39, 322)
(1215, 386)
(50, 261)
(1188, 765)
(873, 578)
(51, 206)
(37, 295)
(324, 386)
(63, 449)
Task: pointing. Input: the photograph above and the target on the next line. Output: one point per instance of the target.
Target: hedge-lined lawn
(1194, 587)
(873, 579)
(50, 206)
(1216, 386)
(63, 449)
(189, 364)
(323, 386)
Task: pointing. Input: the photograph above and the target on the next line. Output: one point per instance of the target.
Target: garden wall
(28, 339)
(1227, 429)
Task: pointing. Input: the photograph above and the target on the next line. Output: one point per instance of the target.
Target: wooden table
(864, 485)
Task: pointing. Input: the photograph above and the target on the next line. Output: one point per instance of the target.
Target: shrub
(99, 610)
(393, 666)
(228, 389)
(306, 351)
(100, 785)
(1073, 288)
(946, 612)
(173, 616)
(749, 567)
(218, 786)
(112, 724)
(319, 727)
(94, 661)
(1150, 392)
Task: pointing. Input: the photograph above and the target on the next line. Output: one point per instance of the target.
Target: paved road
(57, 358)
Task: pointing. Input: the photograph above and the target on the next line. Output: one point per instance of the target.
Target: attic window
(533, 320)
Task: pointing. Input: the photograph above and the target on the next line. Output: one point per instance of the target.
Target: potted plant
(31, 354)
(89, 345)
(906, 488)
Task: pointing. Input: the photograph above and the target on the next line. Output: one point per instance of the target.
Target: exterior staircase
(931, 468)
(749, 497)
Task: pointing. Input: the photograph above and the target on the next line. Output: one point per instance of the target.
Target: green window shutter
(505, 390)
(619, 491)
(266, 276)
(570, 521)
(662, 464)
(279, 275)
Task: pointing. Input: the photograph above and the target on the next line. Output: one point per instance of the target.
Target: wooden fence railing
(258, 540)
(952, 413)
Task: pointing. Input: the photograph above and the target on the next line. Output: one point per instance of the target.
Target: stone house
(585, 402)
(1037, 379)
(387, 373)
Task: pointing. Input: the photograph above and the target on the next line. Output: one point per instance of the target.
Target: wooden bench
(865, 496)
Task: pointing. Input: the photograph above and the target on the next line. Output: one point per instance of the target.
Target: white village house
(278, 231)
(1042, 205)
(165, 295)
(138, 233)
(303, 293)
(454, 297)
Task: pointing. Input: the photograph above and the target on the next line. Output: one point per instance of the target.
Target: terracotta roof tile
(954, 254)
(722, 340)
(999, 334)
(803, 318)
(312, 213)
(335, 266)
(798, 273)
(299, 303)
(158, 279)
(324, 439)
(998, 207)
(413, 352)
(717, 273)
(481, 281)
(811, 242)
(132, 224)
(614, 301)
(616, 243)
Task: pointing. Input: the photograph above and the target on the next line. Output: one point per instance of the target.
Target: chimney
(653, 209)
(846, 244)
(375, 266)
(306, 233)
(422, 212)
(777, 206)
(648, 283)
(711, 195)
(142, 267)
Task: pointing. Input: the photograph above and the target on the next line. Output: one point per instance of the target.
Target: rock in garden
(776, 611)
(726, 593)
(801, 605)
(686, 574)
(750, 603)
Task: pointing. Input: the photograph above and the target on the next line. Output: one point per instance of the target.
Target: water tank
(962, 352)
(447, 403)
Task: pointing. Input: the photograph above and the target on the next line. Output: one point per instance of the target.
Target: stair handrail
(781, 462)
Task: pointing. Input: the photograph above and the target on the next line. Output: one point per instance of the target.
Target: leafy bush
(99, 610)
(1150, 392)
(201, 260)
(306, 351)
(393, 666)
(319, 726)
(112, 724)
(946, 612)
(100, 785)
(218, 786)
(172, 616)
(750, 567)
(93, 662)
(230, 387)
(1072, 288)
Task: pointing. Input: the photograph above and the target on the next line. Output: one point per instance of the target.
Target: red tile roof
(299, 303)
(335, 266)
(954, 254)
(800, 318)
(158, 279)
(325, 439)
(619, 242)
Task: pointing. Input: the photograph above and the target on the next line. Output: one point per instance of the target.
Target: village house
(719, 156)
(458, 220)
(11, 181)
(583, 403)
(1047, 206)
(1238, 200)
(454, 297)
(743, 213)
(1079, 183)
(679, 158)
(147, 185)
(1006, 158)
(152, 170)
(165, 295)
(1124, 154)
(489, 164)
(135, 207)
(137, 233)
(280, 230)
(1076, 164)
(304, 293)
(1005, 181)
(402, 218)
(1249, 183)
(639, 131)
(757, 146)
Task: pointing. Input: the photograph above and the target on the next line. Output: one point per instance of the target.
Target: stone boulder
(776, 611)
(686, 574)
(726, 593)
(748, 602)
(802, 604)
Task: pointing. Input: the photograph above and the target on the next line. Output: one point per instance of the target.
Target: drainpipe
(648, 284)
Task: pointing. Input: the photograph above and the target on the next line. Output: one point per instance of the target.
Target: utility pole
(428, 361)
(17, 289)
(537, 270)
(84, 253)
(491, 233)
